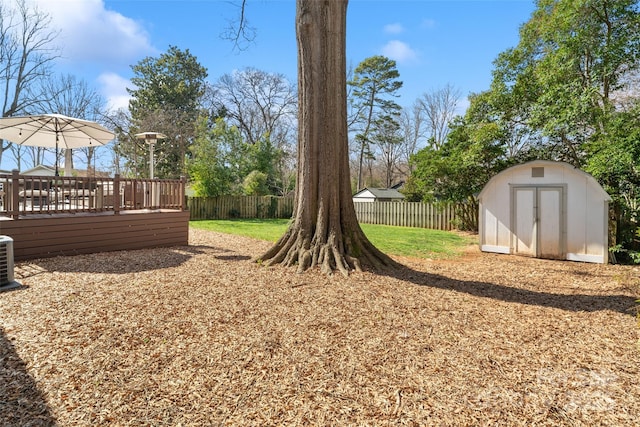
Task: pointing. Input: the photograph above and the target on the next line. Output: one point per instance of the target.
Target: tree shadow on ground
(120, 262)
(235, 257)
(624, 304)
(21, 403)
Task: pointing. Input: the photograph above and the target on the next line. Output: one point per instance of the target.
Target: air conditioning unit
(6, 261)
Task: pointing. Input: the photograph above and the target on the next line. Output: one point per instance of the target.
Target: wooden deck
(71, 234)
(116, 220)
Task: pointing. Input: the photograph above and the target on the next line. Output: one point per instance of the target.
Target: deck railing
(22, 195)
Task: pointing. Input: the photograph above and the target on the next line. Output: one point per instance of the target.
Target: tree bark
(324, 230)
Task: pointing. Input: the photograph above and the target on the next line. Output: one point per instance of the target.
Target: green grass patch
(417, 242)
(262, 229)
(405, 241)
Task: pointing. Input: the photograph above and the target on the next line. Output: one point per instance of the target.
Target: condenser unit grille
(6, 260)
(4, 270)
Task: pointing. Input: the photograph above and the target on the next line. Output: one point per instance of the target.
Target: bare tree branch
(439, 108)
(239, 31)
(26, 54)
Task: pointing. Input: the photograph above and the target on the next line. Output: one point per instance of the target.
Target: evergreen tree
(166, 99)
(374, 85)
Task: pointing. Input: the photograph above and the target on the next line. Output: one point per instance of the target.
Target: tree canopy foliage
(223, 162)
(175, 80)
(209, 168)
(262, 106)
(166, 99)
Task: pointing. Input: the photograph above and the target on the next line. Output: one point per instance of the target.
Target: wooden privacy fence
(227, 207)
(439, 216)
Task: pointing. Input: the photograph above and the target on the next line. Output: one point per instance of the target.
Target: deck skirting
(54, 235)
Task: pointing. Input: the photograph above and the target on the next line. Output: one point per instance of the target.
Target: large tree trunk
(324, 231)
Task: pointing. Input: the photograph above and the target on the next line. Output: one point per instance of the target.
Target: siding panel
(53, 236)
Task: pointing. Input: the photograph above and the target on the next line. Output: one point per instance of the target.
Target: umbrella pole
(57, 171)
(56, 160)
(56, 124)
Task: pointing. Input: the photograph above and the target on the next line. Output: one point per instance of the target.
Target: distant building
(40, 170)
(91, 173)
(43, 170)
(378, 195)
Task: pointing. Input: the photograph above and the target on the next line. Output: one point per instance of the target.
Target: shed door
(538, 222)
(550, 223)
(524, 209)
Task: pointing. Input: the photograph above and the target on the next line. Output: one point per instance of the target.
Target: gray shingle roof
(383, 193)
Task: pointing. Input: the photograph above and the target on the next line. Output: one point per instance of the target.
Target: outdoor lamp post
(150, 138)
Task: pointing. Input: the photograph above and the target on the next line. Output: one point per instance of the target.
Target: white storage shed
(545, 209)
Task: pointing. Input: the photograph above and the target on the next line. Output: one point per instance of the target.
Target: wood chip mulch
(201, 335)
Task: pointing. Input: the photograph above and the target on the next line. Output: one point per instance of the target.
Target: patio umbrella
(53, 130)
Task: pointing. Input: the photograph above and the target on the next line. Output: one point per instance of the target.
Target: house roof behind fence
(381, 193)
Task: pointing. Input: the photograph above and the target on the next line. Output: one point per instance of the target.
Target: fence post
(182, 194)
(116, 194)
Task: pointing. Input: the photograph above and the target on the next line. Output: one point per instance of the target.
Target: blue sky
(434, 43)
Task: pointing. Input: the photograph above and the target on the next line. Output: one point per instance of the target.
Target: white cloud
(399, 51)
(396, 28)
(114, 88)
(89, 32)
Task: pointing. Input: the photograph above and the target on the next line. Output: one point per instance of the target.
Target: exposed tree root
(333, 253)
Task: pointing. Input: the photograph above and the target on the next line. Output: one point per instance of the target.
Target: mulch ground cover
(202, 335)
